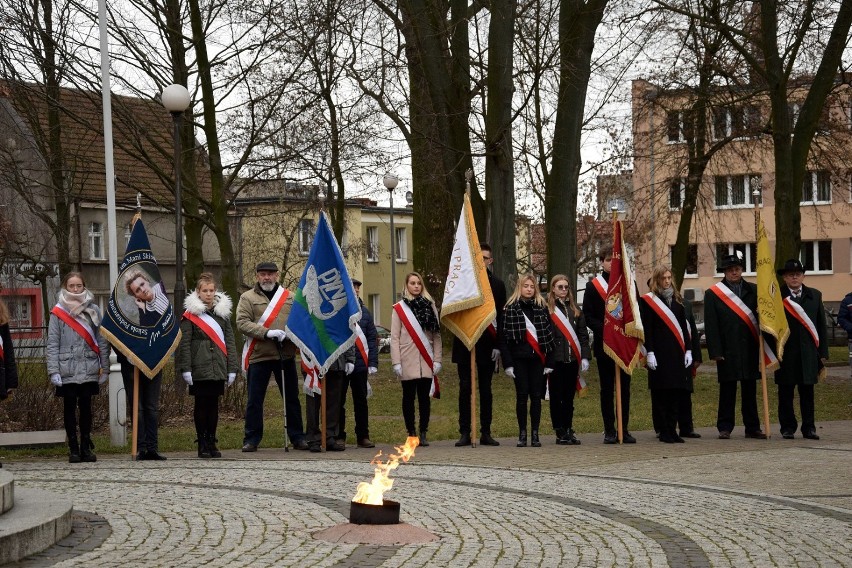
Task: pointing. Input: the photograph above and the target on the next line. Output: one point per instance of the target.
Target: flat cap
(267, 267)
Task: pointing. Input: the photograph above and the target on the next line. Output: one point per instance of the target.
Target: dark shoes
(534, 441)
(671, 438)
(464, 440)
(74, 451)
(334, 446)
(522, 439)
(150, 455)
(610, 438)
(203, 449)
(249, 447)
(568, 439)
(756, 435)
(297, 445)
(810, 435)
(692, 434)
(628, 438)
(366, 443)
(724, 435)
(423, 441)
(788, 435)
(486, 440)
(86, 453)
(314, 448)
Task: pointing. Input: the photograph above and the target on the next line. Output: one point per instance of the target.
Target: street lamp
(176, 100)
(391, 181)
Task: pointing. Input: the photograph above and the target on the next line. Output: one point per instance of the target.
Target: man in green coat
(730, 317)
(805, 352)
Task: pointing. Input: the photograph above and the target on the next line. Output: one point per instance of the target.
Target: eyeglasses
(561, 286)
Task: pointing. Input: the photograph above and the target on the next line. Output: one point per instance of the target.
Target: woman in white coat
(416, 350)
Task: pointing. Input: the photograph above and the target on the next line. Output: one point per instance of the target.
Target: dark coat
(801, 363)
(593, 310)
(8, 367)
(844, 316)
(728, 336)
(697, 357)
(514, 346)
(487, 343)
(562, 351)
(368, 326)
(659, 339)
(197, 353)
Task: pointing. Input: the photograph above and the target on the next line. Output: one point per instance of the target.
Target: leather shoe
(724, 435)
(464, 440)
(300, 444)
(788, 435)
(314, 448)
(334, 446)
(692, 434)
(249, 447)
(811, 435)
(487, 440)
(366, 443)
(423, 441)
(756, 435)
(151, 455)
(628, 439)
(610, 438)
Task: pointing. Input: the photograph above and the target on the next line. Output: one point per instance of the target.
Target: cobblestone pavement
(708, 502)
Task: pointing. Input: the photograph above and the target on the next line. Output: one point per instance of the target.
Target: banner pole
(323, 411)
(618, 422)
(134, 436)
(756, 200)
(473, 397)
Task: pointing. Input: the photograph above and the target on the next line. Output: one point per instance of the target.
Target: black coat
(8, 367)
(369, 329)
(487, 343)
(729, 336)
(593, 309)
(659, 339)
(562, 351)
(801, 364)
(513, 344)
(697, 357)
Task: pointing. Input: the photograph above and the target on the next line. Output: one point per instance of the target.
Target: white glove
(651, 360)
(349, 368)
(103, 377)
(56, 379)
(510, 371)
(436, 368)
(687, 359)
(187, 377)
(397, 370)
(276, 334)
(372, 370)
(369, 389)
(547, 370)
(495, 354)
(584, 365)
(231, 378)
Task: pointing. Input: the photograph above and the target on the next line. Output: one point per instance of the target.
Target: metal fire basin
(363, 514)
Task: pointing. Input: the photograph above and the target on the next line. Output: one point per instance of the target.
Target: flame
(371, 493)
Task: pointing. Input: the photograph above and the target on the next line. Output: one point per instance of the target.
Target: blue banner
(325, 308)
(140, 321)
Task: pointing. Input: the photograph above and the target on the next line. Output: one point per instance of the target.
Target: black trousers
(484, 375)
(331, 383)
(147, 433)
(411, 389)
(606, 372)
(728, 402)
(684, 412)
(786, 415)
(665, 409)
(529, 384)
(563, 388)
(358, 381)
(70, 403)
(206, 414)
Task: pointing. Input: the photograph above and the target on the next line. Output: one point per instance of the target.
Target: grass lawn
(833, 402)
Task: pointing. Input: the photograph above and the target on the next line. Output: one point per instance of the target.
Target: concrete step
(7, 491)
(37, 520)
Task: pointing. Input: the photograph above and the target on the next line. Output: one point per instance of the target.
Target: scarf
(736, 288)
(424, 312)
(80, 304)
(667, 295)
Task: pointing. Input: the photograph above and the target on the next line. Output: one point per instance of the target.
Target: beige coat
(404, 352)
(251, 306)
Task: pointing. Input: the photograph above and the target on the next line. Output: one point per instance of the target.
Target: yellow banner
(770, 306)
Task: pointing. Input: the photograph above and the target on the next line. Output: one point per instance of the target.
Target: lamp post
(391, 181)
(176, 100)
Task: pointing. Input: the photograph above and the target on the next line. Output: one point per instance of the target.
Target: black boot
(211, 446)
(560, 434)
(86, 447)
(569, 439)
(423, 441)
(74, 450)
(522, 439)
(203, 449)
(535, 442)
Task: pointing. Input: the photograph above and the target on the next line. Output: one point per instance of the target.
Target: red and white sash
(418, 336)
(362, 345)
(312, 384)
(79, 325)
(269, 314)
(798, 313)
(668, 317)
(563, 324)
(211, 328)
(532, 338)
(2, 353)
(601, 285)
(736, 305)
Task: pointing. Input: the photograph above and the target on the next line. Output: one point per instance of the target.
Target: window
(816, 256)
(96, 241)
(736, 121)
(306, 235)
(747, 250)
(677, 126)
(691, 259)
(372, 244)
(677, 193)
(401, 245)
(20, 311)
(128, 228)
(374, 301)
(817, 187)
(736, 191)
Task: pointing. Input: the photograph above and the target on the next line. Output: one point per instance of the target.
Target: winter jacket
(404, 352)
(369, 329)
(8, 367)
(562, 352)
(197, 353)
(514, 344)
(801, 364)
(251, 306)
(69, 355)
(844, 316)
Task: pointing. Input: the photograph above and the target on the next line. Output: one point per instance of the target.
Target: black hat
(356, 282)
(792, 265)
(267, 267)
(728, 261)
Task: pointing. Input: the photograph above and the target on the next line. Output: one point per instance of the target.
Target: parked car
(384, 339)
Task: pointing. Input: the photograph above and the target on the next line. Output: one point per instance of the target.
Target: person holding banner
(669, 350)
(77, 361)
(527, 353)
(571, 354)
(262, 313)
(207, 357)
(366, 364)
(730, 323)
(416, 351)
(805, 352)
(331, 387)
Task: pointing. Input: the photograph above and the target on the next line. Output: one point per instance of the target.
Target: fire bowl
(363, 514)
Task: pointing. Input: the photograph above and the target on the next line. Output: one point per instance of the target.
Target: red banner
(623, 333)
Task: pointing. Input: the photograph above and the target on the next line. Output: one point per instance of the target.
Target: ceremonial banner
(770, 306)
(623, 332)
(325, 308)
(139, 320)
(468, 307)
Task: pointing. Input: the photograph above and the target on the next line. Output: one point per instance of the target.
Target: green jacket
(728, 336)
(801, 364)
(197, 352)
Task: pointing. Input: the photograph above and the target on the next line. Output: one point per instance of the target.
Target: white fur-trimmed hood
(222, 305)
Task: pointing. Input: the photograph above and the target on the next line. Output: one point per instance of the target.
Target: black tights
(206, 414)
(418, 388)
(70, 403)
